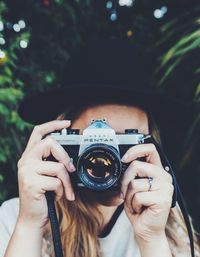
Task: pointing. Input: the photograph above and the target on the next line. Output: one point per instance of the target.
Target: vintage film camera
(97, 154)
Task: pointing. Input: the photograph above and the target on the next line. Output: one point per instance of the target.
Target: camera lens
(99, 167)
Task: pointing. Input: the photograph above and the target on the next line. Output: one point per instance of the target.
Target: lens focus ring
(99, 166)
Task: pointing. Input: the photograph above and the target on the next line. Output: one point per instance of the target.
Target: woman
(137, 220)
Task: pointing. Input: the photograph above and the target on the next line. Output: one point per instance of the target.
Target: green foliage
(180, 42)
(180, 62)
(11, 92)
(3, 7)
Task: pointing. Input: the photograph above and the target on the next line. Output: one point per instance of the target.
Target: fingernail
(71, 166)
(125, 157)
(66, 121)
(131, 211)
(122, 195)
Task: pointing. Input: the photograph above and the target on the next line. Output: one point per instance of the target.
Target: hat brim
(47, 106)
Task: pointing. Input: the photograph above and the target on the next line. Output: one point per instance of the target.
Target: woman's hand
(37, 176)
(147, 204)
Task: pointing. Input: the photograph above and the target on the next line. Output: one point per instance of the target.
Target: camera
(97, 154)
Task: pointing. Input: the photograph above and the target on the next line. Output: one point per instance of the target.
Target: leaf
(10, 95)
(8, 71)
(3, 158)
(3, 7)
(184, 45)
(168, 71)
(4, 80)
(19, 83)
(18, 122)
(197, 93)
(4, 110)
(1, 178)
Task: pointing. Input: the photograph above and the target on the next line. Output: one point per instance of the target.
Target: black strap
(54, 224)
(178, 193)
(112, 222)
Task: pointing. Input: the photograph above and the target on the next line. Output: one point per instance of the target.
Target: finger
(50, 147)
(40, 131)
(152, 199)
(39, 185)
(56, 169)
(142, 169)
(51, 184)
(136, 185)
(142, 185)
(148, 151)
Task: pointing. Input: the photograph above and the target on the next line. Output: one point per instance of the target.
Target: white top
(120, 242)
(8, 217)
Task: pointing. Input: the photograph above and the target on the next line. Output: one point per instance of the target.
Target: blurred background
(37, 38)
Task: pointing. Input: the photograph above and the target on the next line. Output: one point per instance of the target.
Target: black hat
(113, 71)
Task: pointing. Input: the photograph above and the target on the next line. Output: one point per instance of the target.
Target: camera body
(97, 154)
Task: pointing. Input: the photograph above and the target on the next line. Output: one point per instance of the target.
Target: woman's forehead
(119, 117)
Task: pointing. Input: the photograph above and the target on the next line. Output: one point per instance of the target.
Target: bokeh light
(159, 13)
(126, 2)
(23, 44)
(1, 26)
(109, 5)
(2, 54)
(113, 16)
(22, 24)
(2, 41)
(16, 28)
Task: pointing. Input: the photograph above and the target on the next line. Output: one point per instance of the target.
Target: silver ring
(150, 181)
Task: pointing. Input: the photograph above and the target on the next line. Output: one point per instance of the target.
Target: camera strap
(177, 192)
(54, 224)
(177, 197)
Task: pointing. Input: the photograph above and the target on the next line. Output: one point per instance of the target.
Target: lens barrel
(99, 166)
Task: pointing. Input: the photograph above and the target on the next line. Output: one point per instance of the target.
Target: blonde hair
(80, 221)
